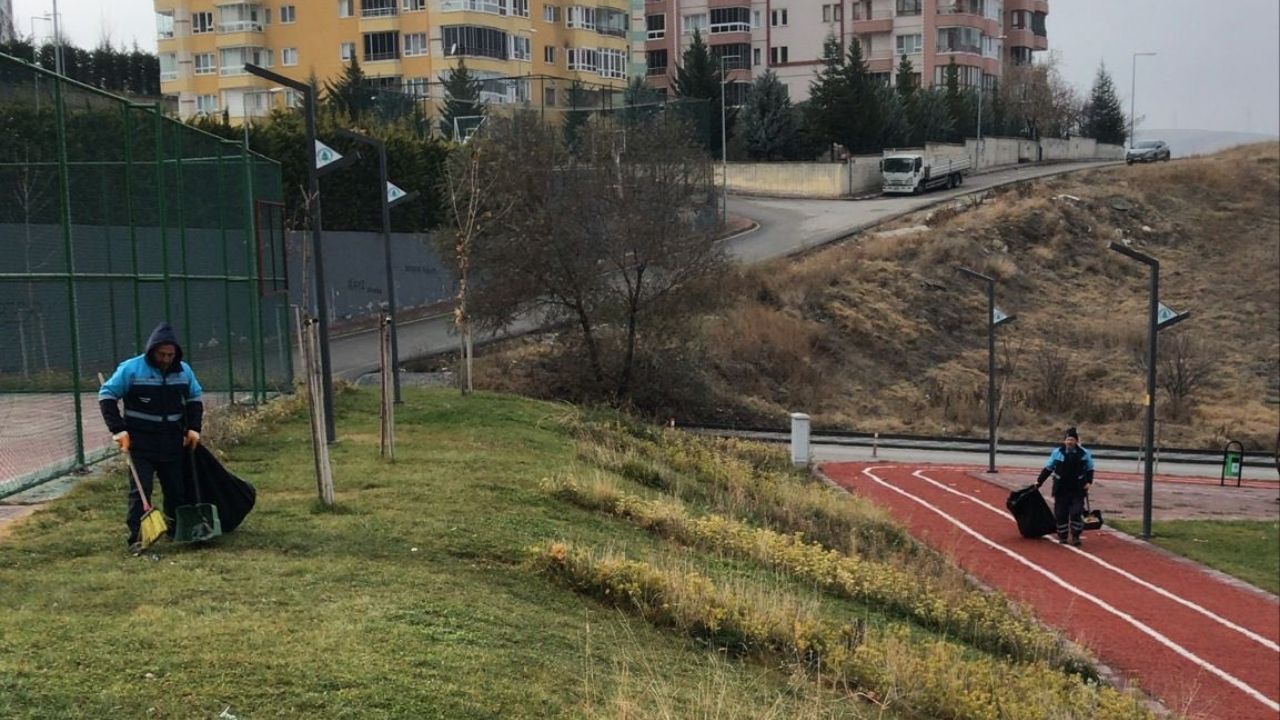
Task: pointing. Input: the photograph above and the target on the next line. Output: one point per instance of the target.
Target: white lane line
(1260, 639)
(1141, 626)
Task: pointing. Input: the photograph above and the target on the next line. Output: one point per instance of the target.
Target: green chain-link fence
(114, 218)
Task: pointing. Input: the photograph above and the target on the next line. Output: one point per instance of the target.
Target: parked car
(1147, 151)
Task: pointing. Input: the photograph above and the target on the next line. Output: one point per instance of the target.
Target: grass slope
(416, 597)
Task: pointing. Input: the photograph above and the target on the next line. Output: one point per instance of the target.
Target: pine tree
(462, 98)
(830, 100)
(1103, 116)
(931, 120)
(865, 124)
(576, 117)
(349, 94)
(769, 126)
(954, 101)
(906, 81)
(699, 77)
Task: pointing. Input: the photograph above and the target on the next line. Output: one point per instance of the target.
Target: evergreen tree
(865, 124)
(576, 117)
(906, 81)
(1104, 118)
(699, 77)
(830, 98)
(349, 94)
(955, 101)
(641, 102)
(462, 98)
(769, 126)
(931, 117)
(896, 129)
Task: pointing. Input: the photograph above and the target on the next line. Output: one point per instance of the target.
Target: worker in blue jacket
(163, 411)
(1071, 466)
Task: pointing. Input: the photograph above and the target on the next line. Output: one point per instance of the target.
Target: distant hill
(1185, 143)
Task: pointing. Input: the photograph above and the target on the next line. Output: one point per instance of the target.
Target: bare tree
(1037, 97)
(611, 239)
(1184, 367)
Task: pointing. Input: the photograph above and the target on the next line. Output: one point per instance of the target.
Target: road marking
(1141, 627)
(1265, 642)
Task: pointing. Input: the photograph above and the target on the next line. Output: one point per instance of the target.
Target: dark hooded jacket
(159, 406)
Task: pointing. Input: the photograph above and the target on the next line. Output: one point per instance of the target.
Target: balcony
(240, 18)
(872, 27)
(378, 8)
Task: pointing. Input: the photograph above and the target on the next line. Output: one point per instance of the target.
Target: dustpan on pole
(198, 522)
(153, 525)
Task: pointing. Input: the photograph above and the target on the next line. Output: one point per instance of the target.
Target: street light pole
(1153, 312)
(1133, 93)
(991, 362)
(308, 92)
(57, 39)
(725, 145)
(385, 183)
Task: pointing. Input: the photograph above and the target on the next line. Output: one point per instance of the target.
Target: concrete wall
(861, 174)
(356, 275)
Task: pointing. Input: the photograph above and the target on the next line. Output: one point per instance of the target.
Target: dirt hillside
(882, 333)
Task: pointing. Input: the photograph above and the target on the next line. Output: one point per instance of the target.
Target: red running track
(1202, 645)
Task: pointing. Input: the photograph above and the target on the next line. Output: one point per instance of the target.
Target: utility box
(799, 439)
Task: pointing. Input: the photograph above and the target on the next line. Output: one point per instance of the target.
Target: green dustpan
(198, 522)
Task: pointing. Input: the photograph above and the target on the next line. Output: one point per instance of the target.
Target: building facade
(787, 36)
(7, 31)
(406, 45)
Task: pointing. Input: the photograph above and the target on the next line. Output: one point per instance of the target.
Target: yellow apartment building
(537, 48)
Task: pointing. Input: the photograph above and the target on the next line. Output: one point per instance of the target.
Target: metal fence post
(226, 278)
(133, 230)
(187, 330)
(64, 197)
(160, 196)
(250, 241)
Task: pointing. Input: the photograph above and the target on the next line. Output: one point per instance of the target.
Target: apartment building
(408, 45)
(6, 21)
(787, 36)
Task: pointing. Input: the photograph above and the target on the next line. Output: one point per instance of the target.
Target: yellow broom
(153, 524)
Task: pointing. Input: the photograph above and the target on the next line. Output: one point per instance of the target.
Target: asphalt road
(785, 227)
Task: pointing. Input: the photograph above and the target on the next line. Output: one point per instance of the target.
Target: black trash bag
(233, 497)
(1028, 507)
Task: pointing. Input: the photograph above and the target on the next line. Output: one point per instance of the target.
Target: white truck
(911, 172)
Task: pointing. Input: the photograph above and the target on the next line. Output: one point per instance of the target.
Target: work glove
(122, 440)
(192, 439)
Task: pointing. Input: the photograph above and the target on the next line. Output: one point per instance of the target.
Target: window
(381, 46)
(655, 26)
(493, 7)
(577, 16)
(201, 22)
(735, 19)
(862, 10)
(416, 87)
(288, 14)
(207, 104)
(266, 16)
(204, 64)
(549, 97)
(474, 41)
(289, 56)
(520, 8)
(778, 18)
(959, 39)
(966, 74)
(168, 66)
(415, 44)
(377, 8)
(755, 56)
(581, 58)
(909, 7)
(231, 61)
(551, 13)
(695, 22)
(778, 55)
(1037, 24)
(832, 13)
(612, 63)
(164, 25)
(734, 55)
(414, 6)
(520, 48)
(344, 8)
(347, 50)
(239, 18)
(549, 54)
(611, 22)
(656, 61)
(1020, 19)
(910, 44)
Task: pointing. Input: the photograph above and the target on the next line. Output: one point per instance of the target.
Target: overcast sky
(1217, 65)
